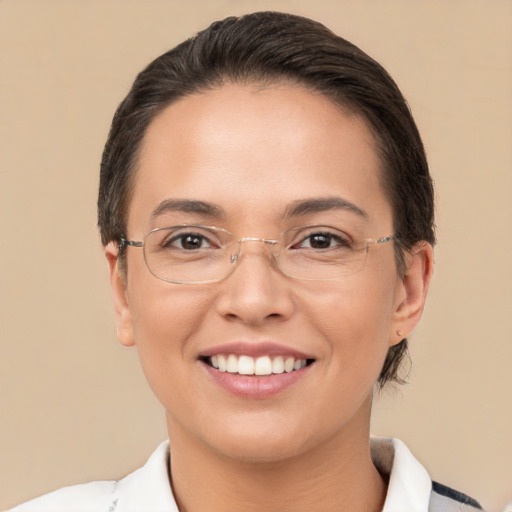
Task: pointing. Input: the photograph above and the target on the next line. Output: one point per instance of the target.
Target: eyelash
(181, 238)
(339, 240)
(303, 238)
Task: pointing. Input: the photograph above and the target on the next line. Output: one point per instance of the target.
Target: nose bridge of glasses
(266, 241)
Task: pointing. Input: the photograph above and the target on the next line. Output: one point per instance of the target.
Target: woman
(267, 214)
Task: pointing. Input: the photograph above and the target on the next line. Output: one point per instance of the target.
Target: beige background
(73, 403)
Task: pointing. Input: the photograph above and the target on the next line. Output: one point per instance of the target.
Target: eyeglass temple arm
(132, 243)
(385, 239)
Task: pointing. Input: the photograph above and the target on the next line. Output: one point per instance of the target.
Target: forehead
(254, 151)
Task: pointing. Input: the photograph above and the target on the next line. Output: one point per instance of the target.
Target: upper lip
(255, 349)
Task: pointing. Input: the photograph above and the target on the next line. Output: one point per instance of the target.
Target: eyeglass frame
(234, 258)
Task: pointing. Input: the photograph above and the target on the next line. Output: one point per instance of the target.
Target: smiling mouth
(258, 366)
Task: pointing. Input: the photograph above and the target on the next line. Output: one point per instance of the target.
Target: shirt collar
(148, 488)
(409, 484)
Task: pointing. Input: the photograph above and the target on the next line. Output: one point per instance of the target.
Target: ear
(412, 291)
(120, 296)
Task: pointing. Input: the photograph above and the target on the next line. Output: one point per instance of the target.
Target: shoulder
(147, 488)
(90, 497)
(445, 499)
(409, 484)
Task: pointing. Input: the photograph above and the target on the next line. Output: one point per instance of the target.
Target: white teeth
(232, 364)
(222, 363)
(288, 365)
(263, 365)
(278, 365)
(245, 365)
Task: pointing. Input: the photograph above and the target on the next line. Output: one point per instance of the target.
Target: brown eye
(188, 242)
(322, 240)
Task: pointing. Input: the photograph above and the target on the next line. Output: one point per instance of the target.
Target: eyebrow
(188, 206)
(321, 204)
(296, 209)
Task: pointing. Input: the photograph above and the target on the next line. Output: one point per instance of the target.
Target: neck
(337, 475)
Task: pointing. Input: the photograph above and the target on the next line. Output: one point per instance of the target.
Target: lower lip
(255, 387)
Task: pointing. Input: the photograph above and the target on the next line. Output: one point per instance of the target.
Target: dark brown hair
(269, 47)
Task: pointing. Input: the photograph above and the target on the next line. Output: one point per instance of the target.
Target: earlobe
(120, 296)
(412, 292)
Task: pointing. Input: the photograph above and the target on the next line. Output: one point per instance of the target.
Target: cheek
(165, 324)
(354, 321)
(360, 307)
(165, 316)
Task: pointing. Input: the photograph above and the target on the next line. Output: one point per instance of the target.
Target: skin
(253, 152)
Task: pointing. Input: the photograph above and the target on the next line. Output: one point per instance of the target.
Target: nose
(256, 292)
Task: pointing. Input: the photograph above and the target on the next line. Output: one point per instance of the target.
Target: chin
(258, 451)
(262, 441)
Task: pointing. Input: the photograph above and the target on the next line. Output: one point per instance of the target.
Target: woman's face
(256, 162)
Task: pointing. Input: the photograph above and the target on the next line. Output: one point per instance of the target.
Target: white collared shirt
(148, 489)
